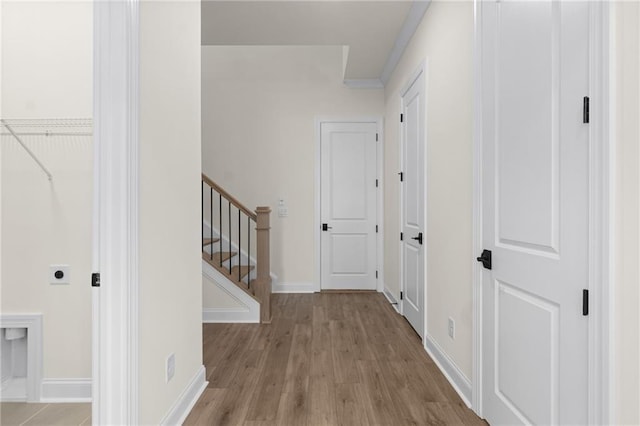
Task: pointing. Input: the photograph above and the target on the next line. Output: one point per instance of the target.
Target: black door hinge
(376, 229)
(585, 302)
(402, 118)
(401, 236)
(376, 275)
(95, 279)
(401, 296)
(585, 109)
(376, 137)
(376, 183)
(401, 176)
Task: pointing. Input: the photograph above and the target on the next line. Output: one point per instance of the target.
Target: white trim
(601, 205)
(449, 369)
(420, 72)
(292, 287)
(391, 298)
(476, 275)
(33, 324)
(116, 141)
(229, 315)
(66, 390)
(249, 311)
(187, 399)
(411, 23)
(295, 288)
(364, 83)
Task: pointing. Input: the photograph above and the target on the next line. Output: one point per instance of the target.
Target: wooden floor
(327, 359)
(22, 413)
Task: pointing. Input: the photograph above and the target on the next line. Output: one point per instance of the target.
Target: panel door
(413, 204)
(348, 206)
(535, 211)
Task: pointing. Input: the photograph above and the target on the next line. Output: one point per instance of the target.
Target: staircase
(235, 241)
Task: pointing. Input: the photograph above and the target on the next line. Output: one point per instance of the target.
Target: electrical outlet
(59, 274)
(171, 367)
(452, 328)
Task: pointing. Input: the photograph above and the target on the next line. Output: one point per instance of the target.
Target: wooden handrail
(229, 197)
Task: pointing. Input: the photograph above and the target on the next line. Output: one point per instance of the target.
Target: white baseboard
(460, 383)
(213, 315)
(187, 399)
(391, 298)
(65, 390)
(294, 288)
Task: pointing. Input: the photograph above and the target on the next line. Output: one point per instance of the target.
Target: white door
(535, 58)
(413, 238)
(348, 206)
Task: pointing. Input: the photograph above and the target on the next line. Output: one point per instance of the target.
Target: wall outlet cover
(171, 367)
(452, 328)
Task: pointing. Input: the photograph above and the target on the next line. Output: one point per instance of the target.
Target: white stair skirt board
(66, 390)
(33, 324)
(294, 288)
(206, 228)
(187, 399)
(249, 310)
(456, 378)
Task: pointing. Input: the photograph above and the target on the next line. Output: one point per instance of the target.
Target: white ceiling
(370, 29)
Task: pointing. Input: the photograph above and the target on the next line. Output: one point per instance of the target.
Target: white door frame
(317, 220)
(600, 211)
(420, 72)
(115, 228)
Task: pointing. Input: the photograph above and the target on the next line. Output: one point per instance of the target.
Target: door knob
(326, 227)
(485, 258)
(418, 238)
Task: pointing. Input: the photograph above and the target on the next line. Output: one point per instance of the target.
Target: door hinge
(376, 275)
(376, 137)
(401, 176)
(585, 109)
(95, 279)
(401, 296)
(585, 302)
(376, 229)
(401, 236)
(402, 118)
(376, 183)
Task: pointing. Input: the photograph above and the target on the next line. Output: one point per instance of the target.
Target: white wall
(626, 22)
(258, 106)
(46, 55)
(444, 39)
(170, 264)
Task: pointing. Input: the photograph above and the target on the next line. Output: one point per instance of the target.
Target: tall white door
(535, 58)
(413, 203)
(348, 206)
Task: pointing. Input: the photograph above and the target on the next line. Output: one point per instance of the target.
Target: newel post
(263, 274)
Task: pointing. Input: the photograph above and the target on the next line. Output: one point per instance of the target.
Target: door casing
(601, 205)
(317, 220)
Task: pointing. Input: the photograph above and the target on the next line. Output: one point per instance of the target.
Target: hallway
(327, 359)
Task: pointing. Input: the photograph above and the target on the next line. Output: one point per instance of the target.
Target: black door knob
(485, 258)
(418, 238)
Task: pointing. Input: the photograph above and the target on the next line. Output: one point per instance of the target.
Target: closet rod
(4, 123)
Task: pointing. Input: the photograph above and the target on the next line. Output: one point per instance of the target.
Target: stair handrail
(261, 218)
(220, 190)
